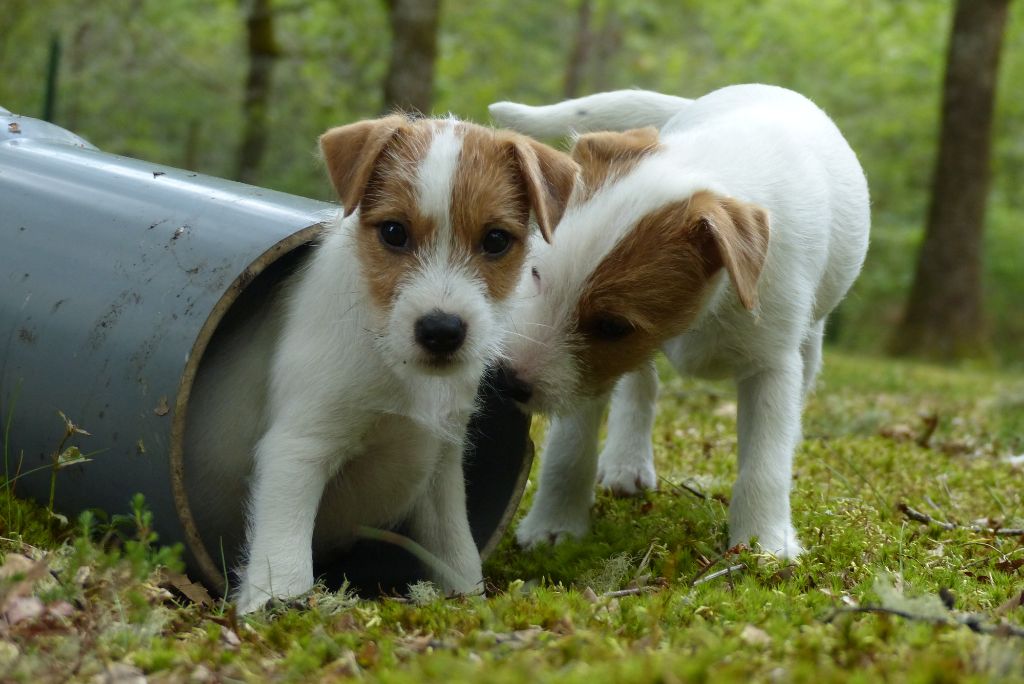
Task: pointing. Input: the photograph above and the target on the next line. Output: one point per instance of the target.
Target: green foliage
(163, 81)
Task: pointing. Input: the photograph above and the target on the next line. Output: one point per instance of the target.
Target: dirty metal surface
(109, 269)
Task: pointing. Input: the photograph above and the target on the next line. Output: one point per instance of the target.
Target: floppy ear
(603, 149)
(351, 153)
(549, 177)
(739, 232)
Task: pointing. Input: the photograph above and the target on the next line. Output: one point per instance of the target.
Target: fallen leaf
(564, 627)
(345, 666)
(60, 609)
(200, 675)
(229, 638)
(15, 564)
(755, 636)
(369, 654)
(1011, 604)
(23, 608)
(82, 575)
(120, 673)
(1009, 566)
(193, 591)
(900, 432)
(24, 586)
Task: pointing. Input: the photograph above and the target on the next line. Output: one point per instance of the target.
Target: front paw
(462, 579)
(538, 530)
(781, 542)
(255, 592)
(248, 599)
(626, 478)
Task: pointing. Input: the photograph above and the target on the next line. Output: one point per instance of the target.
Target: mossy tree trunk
(944, 318)
(409, 83)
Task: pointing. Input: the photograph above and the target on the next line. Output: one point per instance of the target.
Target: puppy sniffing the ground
(725, 239)
(349, 398)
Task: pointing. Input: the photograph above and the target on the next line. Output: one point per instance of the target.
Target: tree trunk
(262, 51)
(608, 44)
(409, 84)
(944, 317)
(579, 55)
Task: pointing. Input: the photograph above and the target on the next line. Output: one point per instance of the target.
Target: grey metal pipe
(115, 276)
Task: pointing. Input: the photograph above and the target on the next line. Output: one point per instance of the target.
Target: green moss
(767, 621)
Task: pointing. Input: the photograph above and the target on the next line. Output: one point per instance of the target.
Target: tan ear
(740, 233)
(351, 152)
(602, 149)
(549, 176)
(603, 156)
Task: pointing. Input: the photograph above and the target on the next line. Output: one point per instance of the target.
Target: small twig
(632, 591)
(685, 487)
(973, 622)
(926, 519)
(720, 573)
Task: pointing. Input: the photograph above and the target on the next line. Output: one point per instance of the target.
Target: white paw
(256, 591)
(626, 479)
(466, 580)
(250, 600)
(781, 542)
(539, 530)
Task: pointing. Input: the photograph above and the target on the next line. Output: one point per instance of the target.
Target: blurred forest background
(241, 88)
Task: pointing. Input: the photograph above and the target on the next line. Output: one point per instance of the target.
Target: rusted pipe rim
(213, 573)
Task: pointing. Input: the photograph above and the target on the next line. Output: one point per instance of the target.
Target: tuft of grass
(642, 598)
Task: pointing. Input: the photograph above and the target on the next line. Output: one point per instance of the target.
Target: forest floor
(883, 592)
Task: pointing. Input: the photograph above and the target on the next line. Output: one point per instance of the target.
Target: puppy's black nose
(439, 332)
(512, 385)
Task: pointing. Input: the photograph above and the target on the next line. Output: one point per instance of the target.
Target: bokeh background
(241, 89)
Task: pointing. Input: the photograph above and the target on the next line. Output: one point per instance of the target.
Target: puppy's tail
(618, 110)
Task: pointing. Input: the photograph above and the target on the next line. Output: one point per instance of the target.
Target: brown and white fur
(725, 239)
(348, 399)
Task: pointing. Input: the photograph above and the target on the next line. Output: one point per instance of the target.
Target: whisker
(527, 337)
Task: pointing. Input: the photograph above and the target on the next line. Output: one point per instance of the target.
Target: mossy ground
(868, 447)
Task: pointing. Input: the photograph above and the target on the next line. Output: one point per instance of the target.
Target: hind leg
(810, 351)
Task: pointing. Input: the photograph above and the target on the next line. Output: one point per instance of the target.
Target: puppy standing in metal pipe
(725, 238)
(375, 349)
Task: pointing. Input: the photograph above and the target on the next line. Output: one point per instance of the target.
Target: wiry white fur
(352, 426)
(619, 110)
(760, 144)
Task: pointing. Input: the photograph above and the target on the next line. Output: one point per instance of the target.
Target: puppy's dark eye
(393, 234)
(496, 242)
(610, 327)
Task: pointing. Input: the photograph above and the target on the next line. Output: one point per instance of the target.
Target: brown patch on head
(605, 156)
(652, 285)
(373, 165)
(499, 179)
